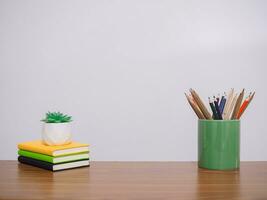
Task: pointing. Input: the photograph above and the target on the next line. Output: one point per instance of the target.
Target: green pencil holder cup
(219, 144)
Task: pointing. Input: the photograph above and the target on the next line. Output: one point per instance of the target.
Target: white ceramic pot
(56, 133)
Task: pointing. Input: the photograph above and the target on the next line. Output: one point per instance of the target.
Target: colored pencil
(195, 107)
(218, 99)
(200, 104)
(217, 110)
(215, 116)
(237, 105)
(230, 106)
(222, 104)
(228, 102)
(245, 105)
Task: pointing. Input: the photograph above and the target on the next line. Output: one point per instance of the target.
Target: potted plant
(56, 129)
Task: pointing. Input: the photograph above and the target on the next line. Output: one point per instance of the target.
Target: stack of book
(54, 158)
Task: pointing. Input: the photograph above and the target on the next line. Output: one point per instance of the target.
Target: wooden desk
(133, 180)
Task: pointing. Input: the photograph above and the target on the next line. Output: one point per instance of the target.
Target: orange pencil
(238, 104)
(245, 105)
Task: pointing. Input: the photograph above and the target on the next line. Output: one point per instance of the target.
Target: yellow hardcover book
(39, 147)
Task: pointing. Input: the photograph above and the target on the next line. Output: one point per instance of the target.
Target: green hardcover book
(54, 160)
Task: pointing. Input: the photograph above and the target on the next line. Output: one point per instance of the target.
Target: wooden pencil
(231, 107)
(200, 104)
(228, 102)
(245, 105)
(195, 107)
(237, 105)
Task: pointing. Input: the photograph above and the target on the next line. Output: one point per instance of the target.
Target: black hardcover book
(53, 167)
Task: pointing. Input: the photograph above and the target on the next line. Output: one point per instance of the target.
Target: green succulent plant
(56, 117)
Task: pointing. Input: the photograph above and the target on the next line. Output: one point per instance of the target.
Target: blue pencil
(215, 116)
(222, 104)
(217, 109)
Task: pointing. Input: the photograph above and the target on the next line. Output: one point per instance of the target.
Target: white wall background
(120, 68)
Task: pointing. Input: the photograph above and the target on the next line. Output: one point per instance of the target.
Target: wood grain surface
(133, 180)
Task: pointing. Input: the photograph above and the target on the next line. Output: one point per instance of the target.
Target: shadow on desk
(219, 184)
(52, 185)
